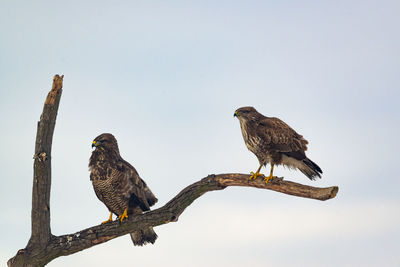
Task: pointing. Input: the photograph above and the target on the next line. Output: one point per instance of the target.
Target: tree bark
(44, 247)
(42, 167)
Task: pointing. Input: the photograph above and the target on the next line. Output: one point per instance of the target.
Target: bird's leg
(109, 219)
(123, 215)
(255, 175)
(266, 179)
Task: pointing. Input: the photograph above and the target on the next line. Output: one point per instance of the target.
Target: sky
(165, 77)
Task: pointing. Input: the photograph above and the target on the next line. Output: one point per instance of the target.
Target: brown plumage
(118, 185)
(274, 142)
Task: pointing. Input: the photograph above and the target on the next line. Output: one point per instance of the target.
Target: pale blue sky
(165, 79)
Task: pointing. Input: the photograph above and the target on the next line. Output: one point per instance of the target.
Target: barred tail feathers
(143, 237)
(310, 169)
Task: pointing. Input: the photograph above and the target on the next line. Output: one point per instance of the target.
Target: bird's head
(245, 113)
(105, 141)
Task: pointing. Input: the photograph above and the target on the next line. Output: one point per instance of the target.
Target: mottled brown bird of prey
(274, 142)
(118, 185)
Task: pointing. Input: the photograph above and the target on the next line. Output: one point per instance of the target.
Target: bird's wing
(278, 136)
(127, 182)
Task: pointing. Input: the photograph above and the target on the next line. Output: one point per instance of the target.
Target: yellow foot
(268, 178)
(255, 175)
(109, 219)
(123, 215)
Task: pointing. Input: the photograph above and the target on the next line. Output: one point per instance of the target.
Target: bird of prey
(274, 142)
(118, 185)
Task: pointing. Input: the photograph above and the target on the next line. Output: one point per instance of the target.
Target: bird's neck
(104, 155)
(244, 126)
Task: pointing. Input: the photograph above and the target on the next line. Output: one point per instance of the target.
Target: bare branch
(42, 166)
(44, 247)
(170, 212)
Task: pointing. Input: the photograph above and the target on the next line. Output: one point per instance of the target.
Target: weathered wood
(42, 167)
(170, 212)
(44, 247)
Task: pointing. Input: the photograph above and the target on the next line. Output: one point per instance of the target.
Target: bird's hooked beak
(95, 144)
(236, 114)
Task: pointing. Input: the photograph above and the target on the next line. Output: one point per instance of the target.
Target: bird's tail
(310, 169)
(142, 237)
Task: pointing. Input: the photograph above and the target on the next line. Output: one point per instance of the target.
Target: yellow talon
(123, 215)
(255, 175)
(109, 219)
(268, 178)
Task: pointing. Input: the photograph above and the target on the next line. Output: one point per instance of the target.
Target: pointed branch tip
(57, 87)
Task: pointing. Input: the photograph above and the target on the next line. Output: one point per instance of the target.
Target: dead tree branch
(44, 247)
(40, 223)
